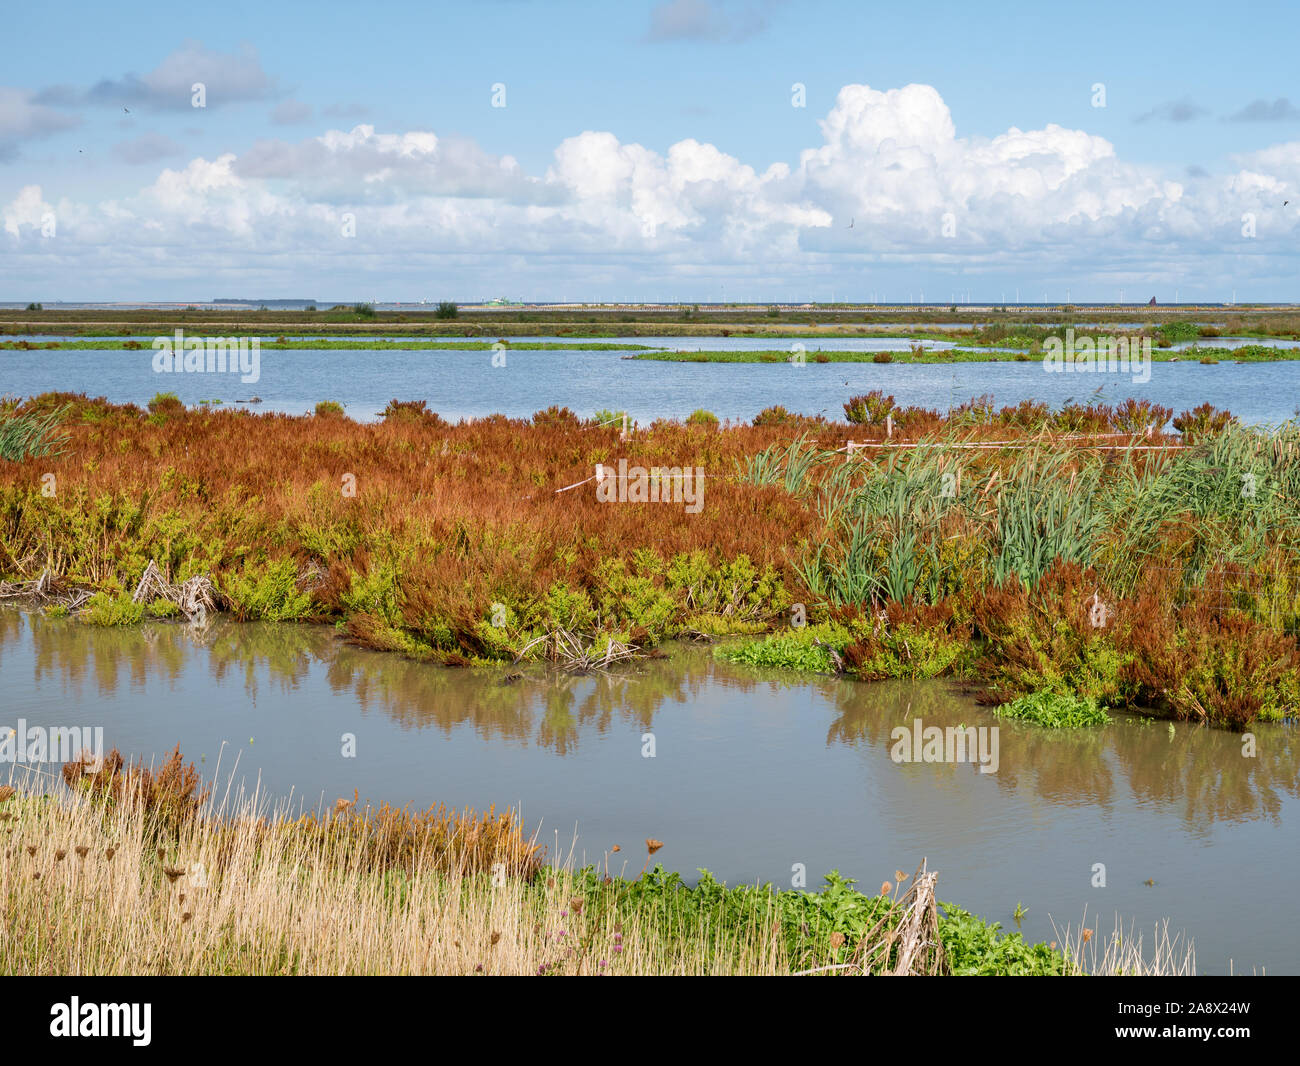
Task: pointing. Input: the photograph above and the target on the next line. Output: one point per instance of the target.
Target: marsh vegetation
(1084, 551)
(124, 869)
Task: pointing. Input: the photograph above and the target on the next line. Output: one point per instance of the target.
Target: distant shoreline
(324, 344)
(1244, 354)
(967, 325)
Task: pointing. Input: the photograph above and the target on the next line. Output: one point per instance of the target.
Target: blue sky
(575, 189)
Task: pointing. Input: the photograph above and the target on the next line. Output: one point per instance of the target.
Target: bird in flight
(127, 110)
(850, 225)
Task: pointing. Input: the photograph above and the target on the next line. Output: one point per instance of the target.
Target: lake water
(467, 384)
(1236, 342)
(752, 773)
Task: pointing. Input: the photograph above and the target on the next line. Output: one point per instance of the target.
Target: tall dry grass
(92, 888)
(95, 882)
(1127, 952)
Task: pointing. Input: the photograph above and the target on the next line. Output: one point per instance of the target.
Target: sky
(699, 150)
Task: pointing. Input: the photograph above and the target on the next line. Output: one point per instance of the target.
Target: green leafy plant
(270, 593)
(1054, 710)
(105, 610)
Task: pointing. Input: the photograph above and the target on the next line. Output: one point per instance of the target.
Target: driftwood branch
(195, 597)
(904, 941)
(836, 658)
(913, 941)
(44, 591)
(577, 653)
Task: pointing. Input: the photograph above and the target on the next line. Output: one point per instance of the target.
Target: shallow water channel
(752, 772)
(470, 384)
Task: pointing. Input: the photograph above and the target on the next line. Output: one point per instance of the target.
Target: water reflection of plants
(1201, 772)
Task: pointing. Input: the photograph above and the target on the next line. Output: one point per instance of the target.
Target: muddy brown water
(753, 775)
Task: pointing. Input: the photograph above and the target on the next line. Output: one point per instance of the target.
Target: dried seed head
(837, 939)
(1087, 935)
(886, 888)
(575, 904)
(186, 917)
(615, 848)
(60, 855)
(7, 791)
(161, 854)
(109, 852)
(899, 876)
(173, 872)
(31, 849)
(495, 938)
(652, 845)
(82, 851)
(181, 897)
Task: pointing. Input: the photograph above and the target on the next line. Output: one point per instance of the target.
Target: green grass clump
(271, 594)
(31, 435)
(1054, 710)
(1176, 332)
(105, 610)
(912, 653)
(794, 650)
